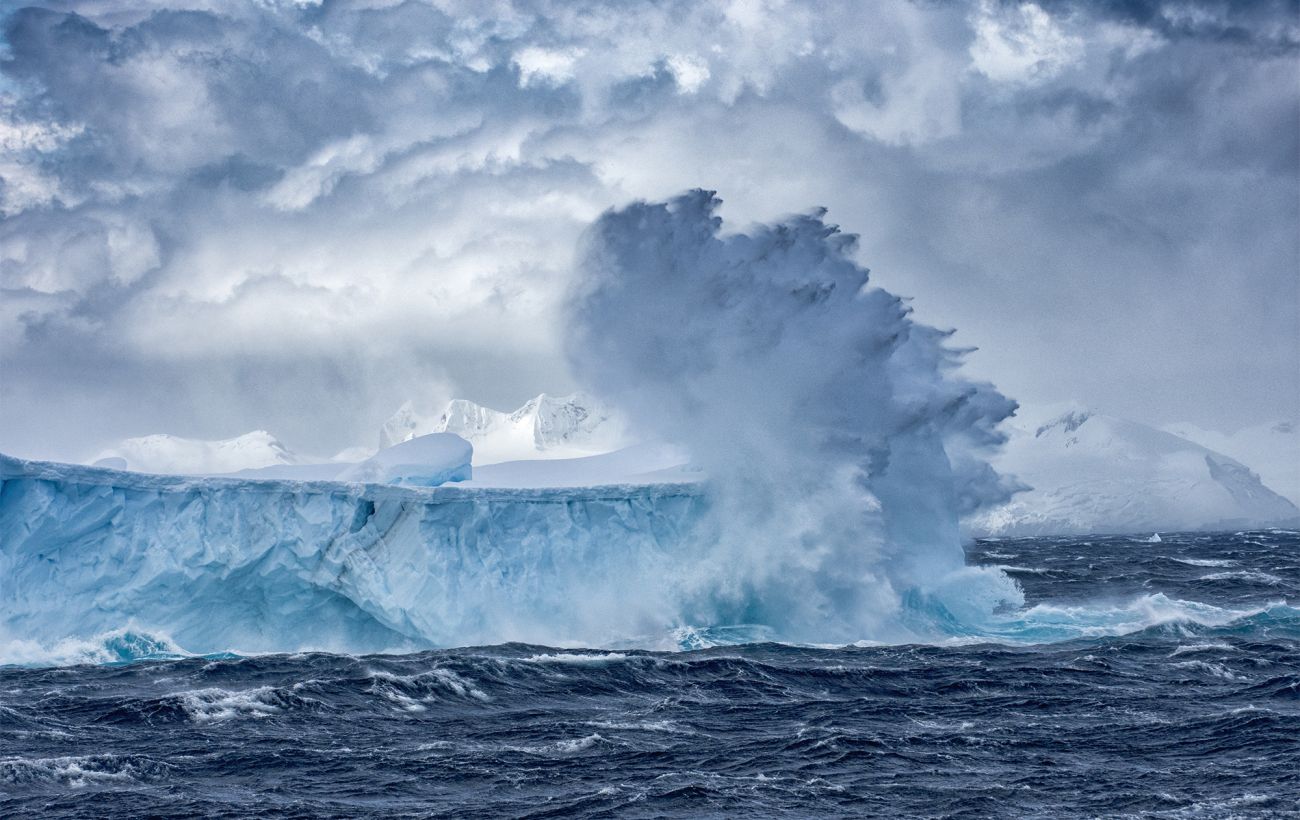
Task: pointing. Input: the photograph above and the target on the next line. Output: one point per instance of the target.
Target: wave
(934, 624)
(79, 771)
(1147, 614)
(125, 645)
(1205, 562)
(1250, 576)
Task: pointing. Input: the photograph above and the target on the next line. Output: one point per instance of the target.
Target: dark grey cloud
(1267, 24)
(221, 216)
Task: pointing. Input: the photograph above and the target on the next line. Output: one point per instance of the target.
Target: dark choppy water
(1176, 719)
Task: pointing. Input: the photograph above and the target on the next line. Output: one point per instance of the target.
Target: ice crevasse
(271, 565)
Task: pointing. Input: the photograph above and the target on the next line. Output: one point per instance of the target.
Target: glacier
(1090, 472)
(1271, 449)
(259, 565)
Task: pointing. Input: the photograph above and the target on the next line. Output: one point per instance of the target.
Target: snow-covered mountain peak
(545, 426)
(168, 454)
(1067, 422)
(576, 419)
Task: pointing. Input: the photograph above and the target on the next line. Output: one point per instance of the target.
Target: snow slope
(544, 427)
(1272, 450)
(173, 455)
(1092, 472)
(226, 563)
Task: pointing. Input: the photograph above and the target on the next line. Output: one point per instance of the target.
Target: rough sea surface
(1177, 696)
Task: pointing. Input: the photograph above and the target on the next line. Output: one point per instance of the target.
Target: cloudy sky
(216, 217)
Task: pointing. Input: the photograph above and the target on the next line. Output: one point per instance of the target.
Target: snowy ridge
(544, 427)
(1272, 450)
(280, 565)
(163, 453)
(1091, 472)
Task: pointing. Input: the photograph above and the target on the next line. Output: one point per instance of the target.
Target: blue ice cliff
(263, 565)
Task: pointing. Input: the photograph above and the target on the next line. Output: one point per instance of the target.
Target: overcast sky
(293, 216)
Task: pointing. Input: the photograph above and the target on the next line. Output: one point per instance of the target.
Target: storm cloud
(291, 215)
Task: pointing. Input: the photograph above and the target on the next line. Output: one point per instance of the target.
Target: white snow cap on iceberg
(425, 461)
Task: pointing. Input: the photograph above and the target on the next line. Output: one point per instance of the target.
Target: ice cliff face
(1096, 473)
(223, 563)
(544, 427)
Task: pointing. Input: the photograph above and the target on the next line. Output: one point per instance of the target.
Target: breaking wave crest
(124, 645)
(929, 620)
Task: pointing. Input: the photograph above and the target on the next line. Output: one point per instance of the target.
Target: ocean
(1147, 679)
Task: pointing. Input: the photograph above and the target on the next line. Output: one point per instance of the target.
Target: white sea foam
(215, 704)
(561, 747)
(1054, 622)
(667, 726)
(412, 692)
(1217, 670)
(1253, 576)
(79, 771)
(113, 646)
(601, 659)
(1210, 646)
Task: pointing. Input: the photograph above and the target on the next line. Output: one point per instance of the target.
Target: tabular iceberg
(264, 565)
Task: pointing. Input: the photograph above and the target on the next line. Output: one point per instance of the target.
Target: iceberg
(425, 461)
(261, 565)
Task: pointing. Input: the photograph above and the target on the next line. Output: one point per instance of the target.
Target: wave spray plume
(840, 441)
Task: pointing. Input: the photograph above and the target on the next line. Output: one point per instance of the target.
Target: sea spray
(840, 442)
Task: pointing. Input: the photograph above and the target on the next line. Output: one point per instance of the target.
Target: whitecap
(579, 660)
(79, 771)
(211, 705)
(1212, 646)
(1214, 669)
(1254, 576)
